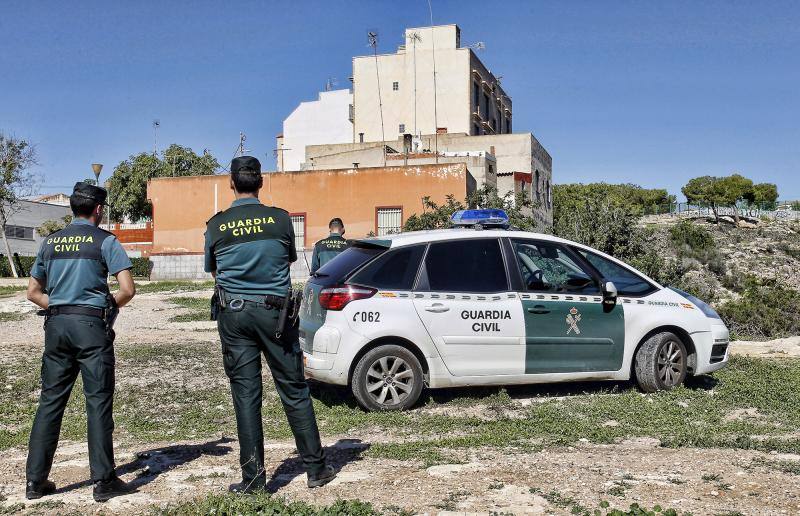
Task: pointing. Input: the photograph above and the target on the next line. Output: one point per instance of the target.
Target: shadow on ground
(149, 464)
(338, 455)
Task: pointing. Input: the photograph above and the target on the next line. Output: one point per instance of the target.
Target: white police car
(469, 306)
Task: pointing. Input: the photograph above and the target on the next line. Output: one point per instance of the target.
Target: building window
(476, 97)
(402, 128)
(538, 186)
(299, 226)
(485, 107)
(388, 220)
(361, 137)
(19, 232)
(395, 86)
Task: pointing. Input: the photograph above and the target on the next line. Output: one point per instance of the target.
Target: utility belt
(108, 314)
(288, 305)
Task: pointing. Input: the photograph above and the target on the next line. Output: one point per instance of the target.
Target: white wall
(325, 120)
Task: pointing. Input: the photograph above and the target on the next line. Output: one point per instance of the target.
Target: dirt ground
(552, 480)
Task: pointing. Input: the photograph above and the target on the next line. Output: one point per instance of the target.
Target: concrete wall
(32, 215)
(325, 120)
(191, 267)
(182, 205)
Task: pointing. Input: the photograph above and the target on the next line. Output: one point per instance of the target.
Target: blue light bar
(489, 217)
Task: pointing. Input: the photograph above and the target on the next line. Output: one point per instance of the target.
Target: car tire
(661, 362)
(388, 377)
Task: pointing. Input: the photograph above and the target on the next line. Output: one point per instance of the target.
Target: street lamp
(97, 168)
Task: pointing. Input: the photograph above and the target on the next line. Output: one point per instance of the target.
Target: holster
(289, 316)
(217, 302)
(110, 314)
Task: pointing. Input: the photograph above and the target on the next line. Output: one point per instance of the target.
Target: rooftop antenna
(435, 113)
(414, 37)
(240, 150)
(478, 45)
(331, 83)
(156, 125)
(372, 38)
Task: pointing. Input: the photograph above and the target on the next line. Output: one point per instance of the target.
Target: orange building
(369, 200)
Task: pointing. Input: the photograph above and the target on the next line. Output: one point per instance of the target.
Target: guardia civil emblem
(573, 318)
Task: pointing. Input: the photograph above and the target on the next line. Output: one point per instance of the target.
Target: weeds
(200, 309)
(11, 290)
(264, 504)
(11, 316)
(153, 287)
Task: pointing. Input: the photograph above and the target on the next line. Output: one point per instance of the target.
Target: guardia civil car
(484, 305)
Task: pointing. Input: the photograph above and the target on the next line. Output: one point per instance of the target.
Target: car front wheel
(661, 362)
(388, 377)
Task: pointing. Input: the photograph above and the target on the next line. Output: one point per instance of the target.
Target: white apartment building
(464, 97)
(325, 120)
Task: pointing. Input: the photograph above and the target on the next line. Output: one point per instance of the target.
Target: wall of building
(325, 120)
(31, 215)
(352, 194)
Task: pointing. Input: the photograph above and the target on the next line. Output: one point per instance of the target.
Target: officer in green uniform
(69, 281)
(249, 248)
(326, 249)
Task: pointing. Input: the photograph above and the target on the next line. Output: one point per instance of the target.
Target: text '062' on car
(483, 304)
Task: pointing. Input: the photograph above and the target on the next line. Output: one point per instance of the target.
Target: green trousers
(246, 335)
(73, 344)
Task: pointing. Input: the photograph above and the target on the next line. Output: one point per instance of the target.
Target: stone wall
(190, 267)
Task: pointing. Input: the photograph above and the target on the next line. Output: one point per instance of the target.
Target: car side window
(628, 283)
(548, 267)
(395, 269)
(466, 266)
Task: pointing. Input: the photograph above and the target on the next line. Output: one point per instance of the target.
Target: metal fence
(781, 210)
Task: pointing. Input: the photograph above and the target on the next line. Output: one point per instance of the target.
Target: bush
(141, 267)
(696, 243)
(27, 263)
(265, 504)
(765, 310)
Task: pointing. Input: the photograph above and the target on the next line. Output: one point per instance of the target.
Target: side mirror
(609, 296)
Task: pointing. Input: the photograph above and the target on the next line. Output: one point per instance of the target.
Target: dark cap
(86, 191)
(245, 164)
(336, 221)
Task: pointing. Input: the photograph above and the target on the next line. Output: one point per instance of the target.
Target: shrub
(265, 504)
(696, 242)
(27, 263)
(141, 267)
(765, 310)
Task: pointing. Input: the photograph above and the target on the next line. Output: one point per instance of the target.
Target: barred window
(389, 221)
(19, 232)
(299, 225)
(395, 86)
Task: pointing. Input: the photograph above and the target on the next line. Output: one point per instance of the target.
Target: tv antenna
(240, 150)
(156, 125)
(331, 83)
(478, 45)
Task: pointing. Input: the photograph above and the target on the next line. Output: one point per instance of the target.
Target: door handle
(538, 309)
(436, 308)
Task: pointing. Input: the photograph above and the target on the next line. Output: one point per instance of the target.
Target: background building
(369, 200)
(325, 120)
(22, 223)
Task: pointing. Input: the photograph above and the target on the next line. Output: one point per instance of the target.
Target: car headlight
(702, 305)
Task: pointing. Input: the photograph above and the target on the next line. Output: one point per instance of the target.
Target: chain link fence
(781, 210)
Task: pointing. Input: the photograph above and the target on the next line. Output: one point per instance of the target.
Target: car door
(567, 329)
(465, 302)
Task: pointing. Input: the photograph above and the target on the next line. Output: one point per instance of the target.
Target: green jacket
(326, 250)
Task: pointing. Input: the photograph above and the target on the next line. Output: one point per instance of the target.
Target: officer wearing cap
(327, 248)
(69, 281)
(249, 248)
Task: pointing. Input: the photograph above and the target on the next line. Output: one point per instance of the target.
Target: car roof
(460, 233)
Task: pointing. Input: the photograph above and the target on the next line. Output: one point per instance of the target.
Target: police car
(484, 304)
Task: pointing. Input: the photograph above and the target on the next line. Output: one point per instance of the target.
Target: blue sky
(620, 91)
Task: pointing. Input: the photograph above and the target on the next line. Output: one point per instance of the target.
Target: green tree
(128, 183)
(49, 227)
(16, 157)
(719, 192)
(631, 197)
(764, 195)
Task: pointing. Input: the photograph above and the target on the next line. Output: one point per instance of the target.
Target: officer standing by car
(326, 249)
(249, 248)
(69, 282)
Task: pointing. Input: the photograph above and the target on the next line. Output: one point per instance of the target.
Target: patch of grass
(153, 287)
(711, 477)
(561, 501)
(10, 290)
(450, 503)
(264, 504)
(784, 466)
(200, 307)
(11, 316)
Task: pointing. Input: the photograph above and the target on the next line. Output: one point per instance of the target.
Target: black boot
(107, 489)
(35, 490)
(246, 487)
(321, 478)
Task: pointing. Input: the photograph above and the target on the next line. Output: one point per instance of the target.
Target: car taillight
(336, 298)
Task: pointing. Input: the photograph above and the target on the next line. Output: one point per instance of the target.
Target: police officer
(327, 248)
(69, 281)
(249, 248)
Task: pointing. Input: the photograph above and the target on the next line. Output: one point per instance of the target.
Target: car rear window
(395, 269)
(336, 270)
(466, 266)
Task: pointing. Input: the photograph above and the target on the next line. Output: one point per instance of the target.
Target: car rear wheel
(661, 362)
(387, 378)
